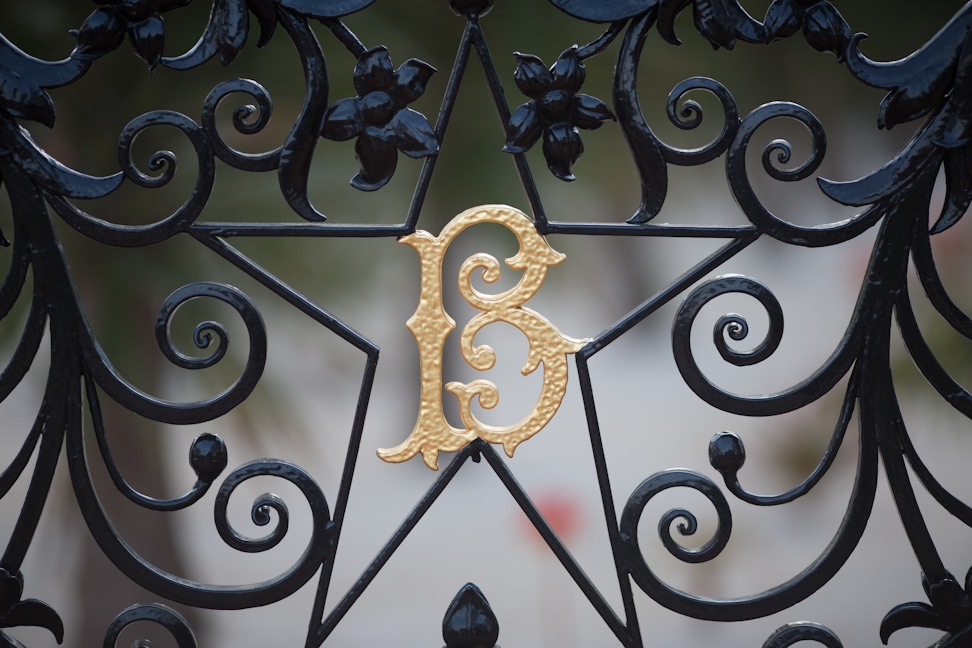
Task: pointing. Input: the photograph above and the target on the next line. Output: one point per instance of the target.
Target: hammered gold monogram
(431, 325)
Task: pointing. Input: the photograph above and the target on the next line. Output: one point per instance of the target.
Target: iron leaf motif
(227, 31)
(21, 93)
(933, 82)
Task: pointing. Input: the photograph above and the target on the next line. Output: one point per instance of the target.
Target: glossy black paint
(932, 85)
(469, 622)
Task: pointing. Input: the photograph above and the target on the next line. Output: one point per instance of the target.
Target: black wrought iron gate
(907, 208)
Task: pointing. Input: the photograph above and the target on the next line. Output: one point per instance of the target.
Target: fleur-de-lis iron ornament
(431, 326)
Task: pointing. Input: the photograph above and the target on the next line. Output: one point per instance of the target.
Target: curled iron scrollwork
(258, 116)
(896, 201)
(114, 384)
(793, 633)
(206, 462)
(686, 527)
(689, 116)
(175, 624)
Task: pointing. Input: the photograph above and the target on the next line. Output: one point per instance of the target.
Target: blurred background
(303, 408)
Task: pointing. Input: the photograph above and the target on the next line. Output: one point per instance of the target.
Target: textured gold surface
(431, 325)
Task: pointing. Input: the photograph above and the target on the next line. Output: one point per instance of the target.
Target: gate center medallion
(431, 325)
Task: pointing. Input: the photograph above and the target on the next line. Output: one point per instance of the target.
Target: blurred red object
(562, 513)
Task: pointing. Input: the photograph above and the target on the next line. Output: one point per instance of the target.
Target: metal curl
(800, 395)
(262, 505)
(770, 601)
(243, 113)
(782, 147)
(750, 203)
(163, 615)
(164, 161)
(688, 524)
(690, 116)
(635, 506)
(202, 335)
(203, 338)
(207, 457)
(243, 122)
(119, 389)
(783, 150)
(793, 633)
(733, 325)
(490, 271)
(727, 454)
(48, 172)
(188, 592)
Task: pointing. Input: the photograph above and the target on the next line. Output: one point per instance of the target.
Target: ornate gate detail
(44, 197)
(431, 325)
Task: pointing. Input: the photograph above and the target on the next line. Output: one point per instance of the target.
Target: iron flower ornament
(950, 610)
(380, 119)
(555, 111)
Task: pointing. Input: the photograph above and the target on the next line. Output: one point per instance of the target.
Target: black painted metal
(931, 85)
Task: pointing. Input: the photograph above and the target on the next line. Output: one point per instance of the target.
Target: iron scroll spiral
(146, 405)
(174, 623)
(933, 84)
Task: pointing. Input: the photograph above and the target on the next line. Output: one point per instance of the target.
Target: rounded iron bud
(726, 452)
(208, 456)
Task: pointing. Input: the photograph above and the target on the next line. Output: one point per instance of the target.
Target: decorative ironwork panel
(358, 89)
